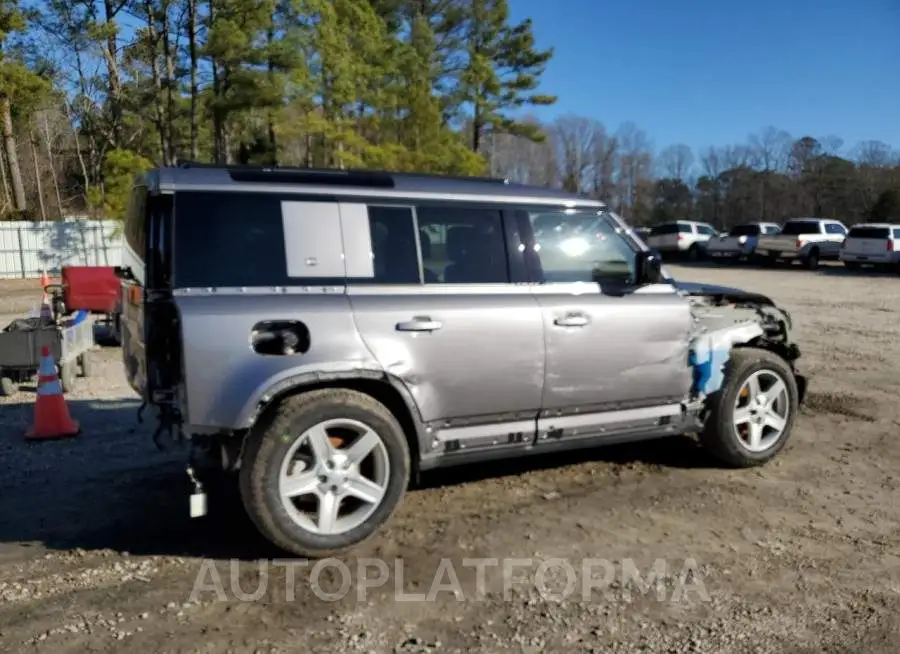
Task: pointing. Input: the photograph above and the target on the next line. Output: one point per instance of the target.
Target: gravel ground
(97, 552)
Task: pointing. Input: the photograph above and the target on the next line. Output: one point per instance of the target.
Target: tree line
(94, 91)
(773, 176)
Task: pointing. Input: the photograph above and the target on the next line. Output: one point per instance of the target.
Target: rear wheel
(693, 253)
(751, 417)
(325, 473)
(811, 261)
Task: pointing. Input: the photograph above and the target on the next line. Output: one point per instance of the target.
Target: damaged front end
(727, 318)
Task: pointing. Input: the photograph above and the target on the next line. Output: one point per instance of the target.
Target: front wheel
(751, 417)
(325, 473)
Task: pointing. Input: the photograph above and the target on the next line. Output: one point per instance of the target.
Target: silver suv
(332, 334)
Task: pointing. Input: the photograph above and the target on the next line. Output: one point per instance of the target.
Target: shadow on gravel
(668, 452)
(110, 488)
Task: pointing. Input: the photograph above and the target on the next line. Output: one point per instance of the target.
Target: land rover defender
(332, 334)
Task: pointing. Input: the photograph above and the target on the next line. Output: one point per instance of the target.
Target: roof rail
(351, 176)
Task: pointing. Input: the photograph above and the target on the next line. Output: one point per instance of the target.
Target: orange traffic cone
(51, 415)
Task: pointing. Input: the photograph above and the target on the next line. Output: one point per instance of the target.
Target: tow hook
(198, 497)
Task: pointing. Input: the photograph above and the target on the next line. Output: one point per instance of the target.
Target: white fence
(27, 248)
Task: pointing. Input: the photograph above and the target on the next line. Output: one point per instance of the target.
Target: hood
(725, 292)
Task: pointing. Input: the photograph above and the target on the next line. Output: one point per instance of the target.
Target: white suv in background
(871, 243)
(683, 237)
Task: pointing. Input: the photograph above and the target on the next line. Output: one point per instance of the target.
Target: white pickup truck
(808, 240)
(740, 242)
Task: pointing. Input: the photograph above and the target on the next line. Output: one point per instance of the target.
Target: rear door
(449, 315)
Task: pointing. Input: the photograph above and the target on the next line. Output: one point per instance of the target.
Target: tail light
(799, 243)
(890, 245)
(680, 237)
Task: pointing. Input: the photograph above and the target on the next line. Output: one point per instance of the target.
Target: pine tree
(502, 72)
(20, 89)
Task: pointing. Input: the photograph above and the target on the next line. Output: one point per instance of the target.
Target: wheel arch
(391, 392)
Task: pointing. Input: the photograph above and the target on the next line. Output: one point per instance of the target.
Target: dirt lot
(97, 552)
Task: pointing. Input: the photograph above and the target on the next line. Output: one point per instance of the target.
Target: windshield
(801, 227)
(744, 230)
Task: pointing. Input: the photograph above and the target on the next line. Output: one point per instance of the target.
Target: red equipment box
(91, 288)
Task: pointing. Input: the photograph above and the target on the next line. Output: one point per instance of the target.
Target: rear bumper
(726, 254)
(878, 258)
(778, 254)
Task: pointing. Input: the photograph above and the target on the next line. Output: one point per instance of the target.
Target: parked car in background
(875, 244)
(740, 242)
(681, 237)
(808, 240)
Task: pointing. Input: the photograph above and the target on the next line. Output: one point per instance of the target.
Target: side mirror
(649, 267)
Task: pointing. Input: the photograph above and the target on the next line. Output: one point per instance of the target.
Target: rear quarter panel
(225, 379)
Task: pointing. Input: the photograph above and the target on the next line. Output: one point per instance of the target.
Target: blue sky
(710, 73)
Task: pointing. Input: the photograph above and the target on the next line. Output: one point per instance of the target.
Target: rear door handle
(572, 320)
(419, 324)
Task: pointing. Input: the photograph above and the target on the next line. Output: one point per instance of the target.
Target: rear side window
(801, 227)
(393, 233)
(869, 232)
(668, 228)
(462, 245)
(255, 239)
(229, 239)
(744, 230)
(458, 245)
(896, 233)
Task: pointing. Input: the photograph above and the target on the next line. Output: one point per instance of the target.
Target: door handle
(419, 324)
(572, 320)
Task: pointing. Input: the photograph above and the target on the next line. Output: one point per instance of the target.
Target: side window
(462, 245)
(834, 228)
(598, 253)
(896, 233)
(136, 222)
(684, 228)
(394, 245)
(706, 230)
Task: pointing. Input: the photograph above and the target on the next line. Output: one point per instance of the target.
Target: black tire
(718, 435)
(67, 377)
(811, 261)
(8, 387)
(268, 443)
(86, 362)
(693, 253)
